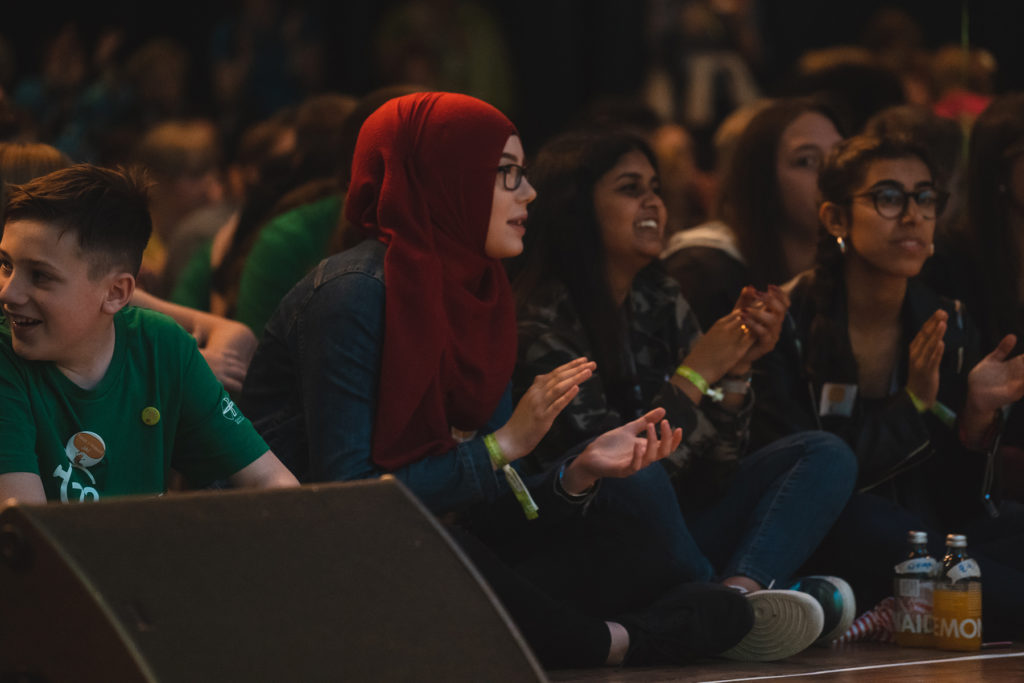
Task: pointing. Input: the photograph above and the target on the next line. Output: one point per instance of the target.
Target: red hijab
(423, 180)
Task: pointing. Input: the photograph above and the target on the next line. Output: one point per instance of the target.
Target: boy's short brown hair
(107, 209)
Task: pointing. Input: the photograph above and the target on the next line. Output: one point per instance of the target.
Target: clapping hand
(924, 357)
(623, 451)
(763, 314)
(996, 380)
(540, 405)
(721, 348)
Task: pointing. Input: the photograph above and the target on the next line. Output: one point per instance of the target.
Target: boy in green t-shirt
(98, 398)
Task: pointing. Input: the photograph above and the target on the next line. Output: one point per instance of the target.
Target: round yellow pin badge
(150, 416)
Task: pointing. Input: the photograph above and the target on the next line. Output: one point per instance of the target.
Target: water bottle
(957, 599)
(912, 587)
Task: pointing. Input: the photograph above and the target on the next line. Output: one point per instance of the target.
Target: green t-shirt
(158, 406)
(286, 249)
(193, 286)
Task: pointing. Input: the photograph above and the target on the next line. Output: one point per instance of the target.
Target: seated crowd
(655, 447)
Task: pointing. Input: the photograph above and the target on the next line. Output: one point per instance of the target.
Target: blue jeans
(628, 548)
(778, 507)
(633, 544)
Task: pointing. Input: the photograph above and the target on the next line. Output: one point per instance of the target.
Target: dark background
(565, 53)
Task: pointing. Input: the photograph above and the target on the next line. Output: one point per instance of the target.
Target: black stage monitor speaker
(333, 582)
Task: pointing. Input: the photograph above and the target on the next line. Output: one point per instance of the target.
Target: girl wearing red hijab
(395, 357)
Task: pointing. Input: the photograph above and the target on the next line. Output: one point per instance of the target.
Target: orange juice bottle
(912, 587)
(957, 599)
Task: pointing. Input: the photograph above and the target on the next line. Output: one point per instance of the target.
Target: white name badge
(837, 399)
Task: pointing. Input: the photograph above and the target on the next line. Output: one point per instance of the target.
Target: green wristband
(943, 412)
(515, 482)
(938, 409)
(697, 380)
(494, 450)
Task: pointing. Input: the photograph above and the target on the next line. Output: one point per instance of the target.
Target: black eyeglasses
(891, 201)
(513, 175)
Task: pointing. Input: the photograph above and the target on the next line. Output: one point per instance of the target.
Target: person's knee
(828, 451)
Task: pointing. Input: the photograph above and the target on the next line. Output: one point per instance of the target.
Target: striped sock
(875, 625)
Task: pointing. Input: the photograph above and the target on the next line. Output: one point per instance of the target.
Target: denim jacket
(311, 390)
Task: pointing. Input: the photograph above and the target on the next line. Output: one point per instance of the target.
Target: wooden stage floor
(857, 662)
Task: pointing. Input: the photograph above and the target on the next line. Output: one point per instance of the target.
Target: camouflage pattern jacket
(661, 330)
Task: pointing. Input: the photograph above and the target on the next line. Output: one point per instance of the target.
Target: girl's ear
(834, 218)
(119, 292)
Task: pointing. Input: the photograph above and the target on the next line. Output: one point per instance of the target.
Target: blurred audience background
(92, 78)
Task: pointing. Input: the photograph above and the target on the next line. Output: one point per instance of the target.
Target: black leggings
(560, 636)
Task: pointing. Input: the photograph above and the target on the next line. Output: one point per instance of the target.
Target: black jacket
(915, 459)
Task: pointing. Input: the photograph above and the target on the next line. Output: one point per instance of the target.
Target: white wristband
(735, 385)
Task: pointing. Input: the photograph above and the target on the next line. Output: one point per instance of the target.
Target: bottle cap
(917, 537)
(956, 541)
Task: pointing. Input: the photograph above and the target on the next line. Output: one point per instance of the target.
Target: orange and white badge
(85, 449)
(837, 399)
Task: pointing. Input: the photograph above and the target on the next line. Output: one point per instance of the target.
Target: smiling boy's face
(55, 309)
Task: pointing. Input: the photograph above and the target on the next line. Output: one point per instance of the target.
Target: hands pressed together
(763, 313)
(734, 342)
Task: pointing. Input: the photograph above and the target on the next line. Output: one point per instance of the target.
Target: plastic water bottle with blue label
(913, 586)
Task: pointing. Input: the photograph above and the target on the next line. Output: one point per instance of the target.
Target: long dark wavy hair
(996, 141)
(749, 201)
(563, 239)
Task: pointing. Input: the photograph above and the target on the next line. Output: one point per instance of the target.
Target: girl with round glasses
(891, 200)
(873, 355)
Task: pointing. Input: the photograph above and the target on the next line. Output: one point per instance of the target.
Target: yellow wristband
(918, 403)
(515, 482)
(697, 380)
(494, 451)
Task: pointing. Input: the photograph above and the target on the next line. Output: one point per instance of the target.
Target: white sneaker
(785, 622)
